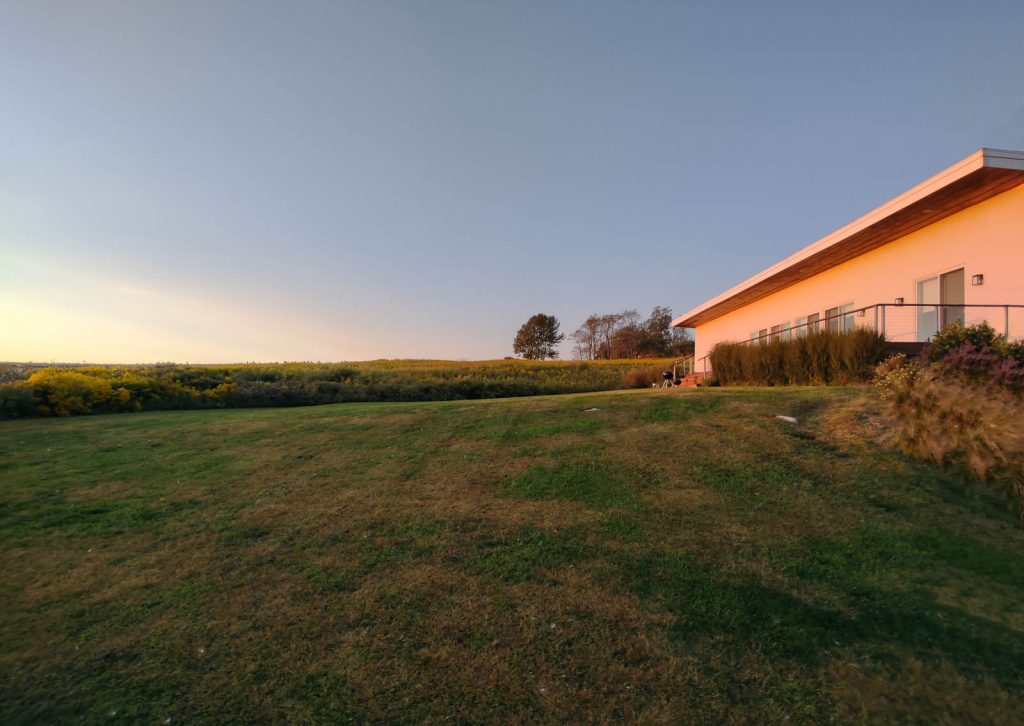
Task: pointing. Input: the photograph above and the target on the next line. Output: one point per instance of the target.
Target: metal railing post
(1006, 321)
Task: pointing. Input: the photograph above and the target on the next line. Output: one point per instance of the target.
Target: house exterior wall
(987, 238)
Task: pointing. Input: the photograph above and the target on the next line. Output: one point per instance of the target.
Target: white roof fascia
(994, 158)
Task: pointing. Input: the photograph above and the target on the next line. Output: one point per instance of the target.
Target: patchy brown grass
(674, 556)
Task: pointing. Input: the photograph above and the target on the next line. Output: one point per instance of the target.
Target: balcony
(911, 323)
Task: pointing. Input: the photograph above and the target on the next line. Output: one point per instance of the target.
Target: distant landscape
(31, 390)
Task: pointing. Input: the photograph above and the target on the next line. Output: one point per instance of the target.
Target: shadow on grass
(746, 616)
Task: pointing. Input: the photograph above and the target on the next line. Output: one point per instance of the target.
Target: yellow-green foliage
(64, 391)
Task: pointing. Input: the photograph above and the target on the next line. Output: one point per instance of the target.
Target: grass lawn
(674, 556)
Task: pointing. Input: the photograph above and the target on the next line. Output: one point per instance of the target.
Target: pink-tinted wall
(987, 239)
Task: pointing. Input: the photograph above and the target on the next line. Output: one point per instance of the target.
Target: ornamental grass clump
(819, 358)
(644, 377)
(968, 422)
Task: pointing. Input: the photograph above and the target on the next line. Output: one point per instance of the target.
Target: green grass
(675, 556)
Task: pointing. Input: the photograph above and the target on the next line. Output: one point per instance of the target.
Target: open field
(33, 390)
(674, 556)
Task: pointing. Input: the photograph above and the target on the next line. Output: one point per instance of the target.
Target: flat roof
(981, 175)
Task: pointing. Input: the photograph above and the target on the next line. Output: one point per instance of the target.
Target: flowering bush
(983, 364)
(895, 376)
(977, 353)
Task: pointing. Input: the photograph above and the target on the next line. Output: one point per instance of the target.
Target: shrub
(63, 393)
(1015, 351)
(16, 399)
(643, 377)
(90, 389)
(821, 358)
(953, 421)
(956, 335)
(983, 364)
(894, 376)
(977, 353)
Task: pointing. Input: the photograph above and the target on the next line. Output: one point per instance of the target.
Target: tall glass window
(927, 316)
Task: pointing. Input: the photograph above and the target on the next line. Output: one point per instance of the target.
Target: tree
(606, 327)
(682, 342)
(657, 333)
(587, 338)
(538, 338)
(625, 335)
(594, 339)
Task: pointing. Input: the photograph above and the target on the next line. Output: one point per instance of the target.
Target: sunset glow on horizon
(229, 182)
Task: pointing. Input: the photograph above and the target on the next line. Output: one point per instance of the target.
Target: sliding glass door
(942, 302)
(952, 284)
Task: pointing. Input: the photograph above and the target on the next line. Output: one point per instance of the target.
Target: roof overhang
(981, 175)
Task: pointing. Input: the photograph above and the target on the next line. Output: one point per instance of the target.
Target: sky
(262, 181)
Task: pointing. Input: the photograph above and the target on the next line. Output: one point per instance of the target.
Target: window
(832, 319)
(763, 335)
(812, 323)
(781, 331)
(839, 318)
(847, 312)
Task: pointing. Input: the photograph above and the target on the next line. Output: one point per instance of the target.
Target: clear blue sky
(221, 181)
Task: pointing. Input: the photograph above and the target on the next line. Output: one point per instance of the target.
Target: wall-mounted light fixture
(899, 301)
(977, 280)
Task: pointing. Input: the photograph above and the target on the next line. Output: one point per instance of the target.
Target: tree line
(605, 337)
